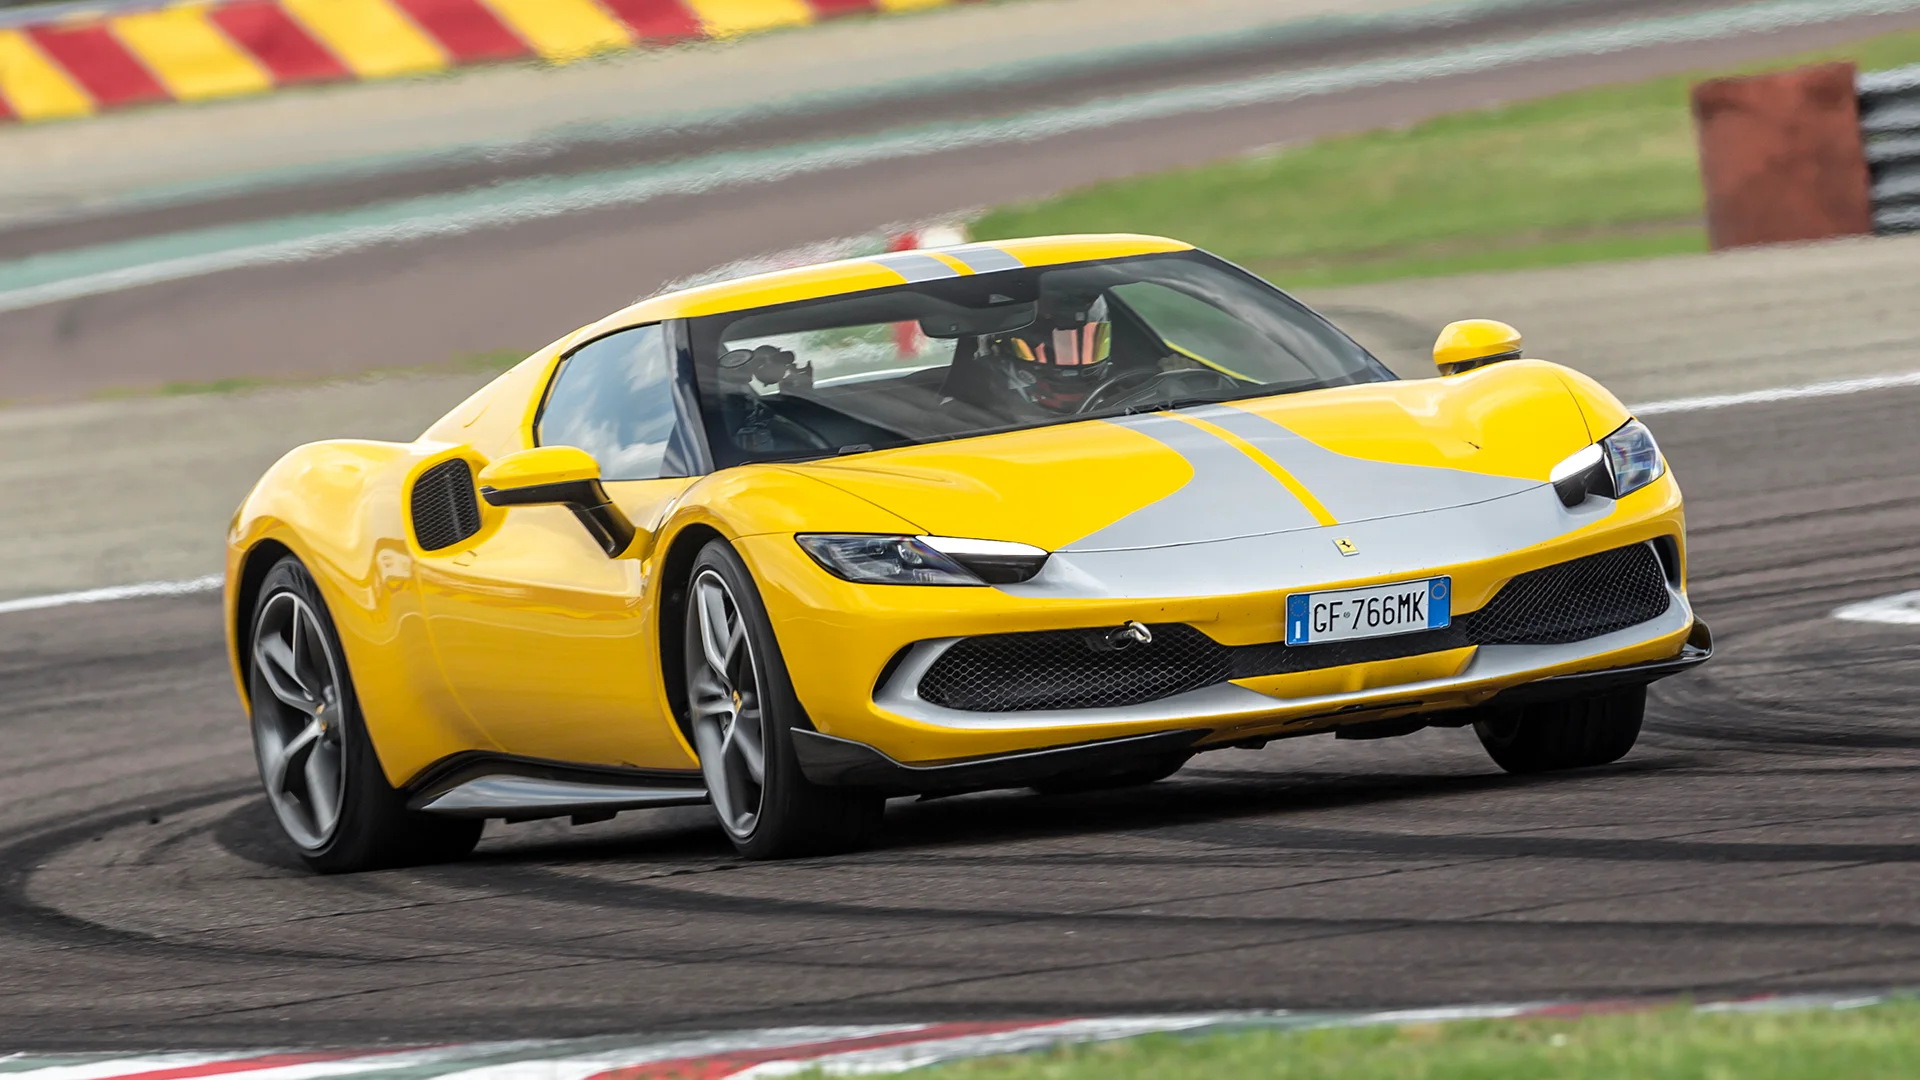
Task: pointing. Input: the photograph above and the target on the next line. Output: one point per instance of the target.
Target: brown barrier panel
(1782, 157)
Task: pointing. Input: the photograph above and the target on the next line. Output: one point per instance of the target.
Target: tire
(317, 764)
(1574, 734)
(741, 711)
(1132, 774)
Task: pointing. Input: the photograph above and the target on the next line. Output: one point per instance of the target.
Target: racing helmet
(1058, 359)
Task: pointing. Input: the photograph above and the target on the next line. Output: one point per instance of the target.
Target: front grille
(1079, 669)
(445, 511)
(1072, 669)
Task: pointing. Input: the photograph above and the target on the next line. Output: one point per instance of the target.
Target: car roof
(878, 272)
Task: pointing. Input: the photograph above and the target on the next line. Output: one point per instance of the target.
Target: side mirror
(561, 476)
(1474, 343)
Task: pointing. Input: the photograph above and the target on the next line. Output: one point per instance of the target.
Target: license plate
(1375, 611)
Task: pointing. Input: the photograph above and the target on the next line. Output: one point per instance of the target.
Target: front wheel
(1572, 734)
(322, 777)
(741, 711)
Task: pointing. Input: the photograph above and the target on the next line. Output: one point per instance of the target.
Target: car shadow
(1196, 796)
(686, 839)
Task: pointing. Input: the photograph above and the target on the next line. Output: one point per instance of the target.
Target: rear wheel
(741, 711)
(322, 777)
(1572, 734)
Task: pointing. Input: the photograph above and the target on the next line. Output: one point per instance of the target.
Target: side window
(614, 399)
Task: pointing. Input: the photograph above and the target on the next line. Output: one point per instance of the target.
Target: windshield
(1000, 351)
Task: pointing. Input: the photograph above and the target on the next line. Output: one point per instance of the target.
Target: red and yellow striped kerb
(197, 51)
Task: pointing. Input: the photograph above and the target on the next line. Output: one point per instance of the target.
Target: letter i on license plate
(1375, 611)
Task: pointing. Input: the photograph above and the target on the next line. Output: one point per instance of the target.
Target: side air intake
(445, 511)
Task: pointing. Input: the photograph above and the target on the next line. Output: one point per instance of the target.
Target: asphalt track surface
(1764, 835)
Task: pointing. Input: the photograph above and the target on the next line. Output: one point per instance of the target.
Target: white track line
(1836, 388)
(1900, 610)
(895, 1059)
(210, 583)
(111, 1067)
(344, 1064)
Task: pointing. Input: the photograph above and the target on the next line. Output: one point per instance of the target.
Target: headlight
(922, 560)
(1615, 467)
(1635, 458)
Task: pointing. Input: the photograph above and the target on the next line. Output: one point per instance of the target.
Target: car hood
(1222, 472)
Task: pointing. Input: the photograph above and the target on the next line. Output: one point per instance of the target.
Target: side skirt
(487, 785)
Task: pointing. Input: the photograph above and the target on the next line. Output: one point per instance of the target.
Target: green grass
(1671, 1044)
(1600, 174)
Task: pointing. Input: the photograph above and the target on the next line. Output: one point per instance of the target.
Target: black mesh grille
(1072, 669)
(1575, 600)
(1078, 669)
(444, 509)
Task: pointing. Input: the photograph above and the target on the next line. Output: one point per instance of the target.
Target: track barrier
(1890, 123)
(76, 61)
(1809, 154)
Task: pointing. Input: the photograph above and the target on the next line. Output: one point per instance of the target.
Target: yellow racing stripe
(189, 55)
(958, 267)
(562, 29)
(1314, 506)
(34, 87)
(726, 18)
(371, 37)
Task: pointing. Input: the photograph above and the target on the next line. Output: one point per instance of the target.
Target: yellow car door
(550, 645)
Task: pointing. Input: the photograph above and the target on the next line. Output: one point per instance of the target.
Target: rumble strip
(834, 1051)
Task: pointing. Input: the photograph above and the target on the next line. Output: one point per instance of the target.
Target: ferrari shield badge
(1346, 546)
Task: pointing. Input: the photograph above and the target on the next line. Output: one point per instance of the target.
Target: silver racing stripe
(1355, 489)
(1408, 545)
(1235, 529)
(982, 259)
(1229, 495)
(916, 267)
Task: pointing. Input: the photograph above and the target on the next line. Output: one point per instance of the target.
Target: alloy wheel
(729, 722)
(298, 735)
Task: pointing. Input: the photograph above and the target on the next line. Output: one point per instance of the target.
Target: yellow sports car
(1054, 513)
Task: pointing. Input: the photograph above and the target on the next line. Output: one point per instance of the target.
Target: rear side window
(614, 399)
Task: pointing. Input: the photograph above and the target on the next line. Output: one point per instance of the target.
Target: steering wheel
(1143, 387)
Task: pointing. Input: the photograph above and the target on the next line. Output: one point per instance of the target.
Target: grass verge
(1600, 174)
(1670, 1044)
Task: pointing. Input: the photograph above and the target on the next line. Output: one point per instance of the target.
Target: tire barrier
(76, 61)
(1890, 123)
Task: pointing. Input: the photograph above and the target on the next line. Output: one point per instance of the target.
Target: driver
(1054, 362)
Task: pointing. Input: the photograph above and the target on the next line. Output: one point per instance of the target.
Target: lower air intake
(1072, 669)
(1080, 669)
